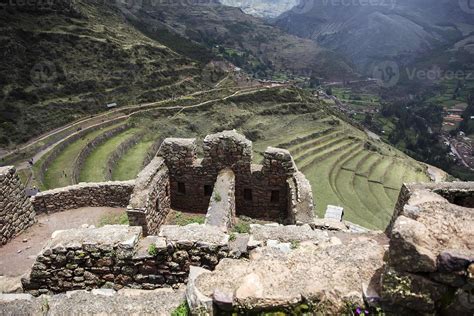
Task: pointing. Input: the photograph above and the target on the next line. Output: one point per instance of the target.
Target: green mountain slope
(70, 59)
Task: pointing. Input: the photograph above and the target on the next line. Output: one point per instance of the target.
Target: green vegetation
(131, 162)
(181, 310)
(344, 165)
(217, 197)
(152, 250)
(183, 219)
(294, 244)
(59, 173)
(114, 219)
(241, 227)
(95, 166)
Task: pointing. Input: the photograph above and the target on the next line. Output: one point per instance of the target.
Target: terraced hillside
(67, 60)
(344, 165)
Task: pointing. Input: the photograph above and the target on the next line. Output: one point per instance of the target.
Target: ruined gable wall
(16, 211)
(151, 201)
(254, 183)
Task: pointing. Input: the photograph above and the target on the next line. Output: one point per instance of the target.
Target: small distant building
(334, 212)
(111, 105)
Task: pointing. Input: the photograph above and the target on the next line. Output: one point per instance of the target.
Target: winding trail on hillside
(153, 106)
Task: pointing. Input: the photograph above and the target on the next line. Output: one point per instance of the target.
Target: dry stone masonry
(119, 256)
(423, 264)
(150, 201)
(430, 263)
(16, 211)
(107, 194)
(275, 190)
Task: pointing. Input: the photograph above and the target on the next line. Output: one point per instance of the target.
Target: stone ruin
(176, 179)
(422, 264)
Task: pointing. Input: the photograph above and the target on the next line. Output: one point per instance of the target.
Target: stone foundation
(16, 211)
(109, 194)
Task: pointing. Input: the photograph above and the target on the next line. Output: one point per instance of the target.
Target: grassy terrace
(130, 164)
(59, 174)
(95, 166)
(333, 155)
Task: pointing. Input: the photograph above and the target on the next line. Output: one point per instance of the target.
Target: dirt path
(135, 109)
(18, 256)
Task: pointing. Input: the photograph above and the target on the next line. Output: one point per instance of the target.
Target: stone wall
(54, 153)
(261, 191)
(221, 211)
(150, 202)
(109, 194)
(118, 256)
(89, 148)
(16, 211)
(430, 262)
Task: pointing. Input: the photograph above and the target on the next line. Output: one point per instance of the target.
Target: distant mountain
(247, 41)
(385, 29)
(262, 8)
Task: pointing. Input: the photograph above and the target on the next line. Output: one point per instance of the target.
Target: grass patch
(95, 166)
(183, 219)
(241, 227)
(181, 310)
(59, 173)
(130, 164)
(114, 219)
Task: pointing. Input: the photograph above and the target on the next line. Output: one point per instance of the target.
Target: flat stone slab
(221, 209)
(333, 272)
(104, 302)
(148, 245)
(107, 237)
(286, 233)
(194, 233)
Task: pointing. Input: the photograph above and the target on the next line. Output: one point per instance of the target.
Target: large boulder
(276, 278)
